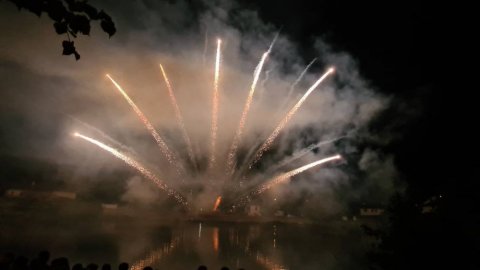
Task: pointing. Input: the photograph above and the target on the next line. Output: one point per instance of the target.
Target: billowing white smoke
(182, 38)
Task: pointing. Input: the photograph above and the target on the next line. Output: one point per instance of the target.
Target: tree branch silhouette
(71, 18)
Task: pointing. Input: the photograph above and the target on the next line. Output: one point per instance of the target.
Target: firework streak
(215, 107)
(160, 142)
(136, 165)
(178, 115)
(285, 177)
(241, 125)
(268, 143)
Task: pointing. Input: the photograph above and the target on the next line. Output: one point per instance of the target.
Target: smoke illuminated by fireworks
(178, 116)
(215, 106)
(236, 140)
(160, 142)
(268, 143)
(135, 164)
(212, 187)
(285, 177)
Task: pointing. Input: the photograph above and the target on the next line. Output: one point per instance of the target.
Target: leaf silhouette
(71, 17)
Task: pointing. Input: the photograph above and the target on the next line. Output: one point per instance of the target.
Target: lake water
(186, 245)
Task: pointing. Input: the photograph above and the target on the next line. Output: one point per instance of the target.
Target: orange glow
(217, 203)
(215, 239)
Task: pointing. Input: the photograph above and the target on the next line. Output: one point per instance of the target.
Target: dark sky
(407, 50)
(411, 49)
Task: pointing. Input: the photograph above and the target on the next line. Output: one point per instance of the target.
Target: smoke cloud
(46, 97)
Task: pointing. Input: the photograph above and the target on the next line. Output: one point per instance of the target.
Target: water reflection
(188, 245)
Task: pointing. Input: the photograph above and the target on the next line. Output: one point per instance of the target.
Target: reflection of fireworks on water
(156, 255)
(178, 165)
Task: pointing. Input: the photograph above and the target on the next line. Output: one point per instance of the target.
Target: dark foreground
(84, 237)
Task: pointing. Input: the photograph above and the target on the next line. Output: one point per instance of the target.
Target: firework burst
(211, 171)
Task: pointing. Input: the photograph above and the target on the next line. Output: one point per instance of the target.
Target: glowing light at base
(160, 142)
(268, 143)
(285, 177)
(217, 203)
(136, 165)
(215, 107)
(243, 119)
(178, 116)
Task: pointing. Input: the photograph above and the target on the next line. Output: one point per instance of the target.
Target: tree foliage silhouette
(71, 18)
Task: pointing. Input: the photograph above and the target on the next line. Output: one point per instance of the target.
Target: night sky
(411, 50)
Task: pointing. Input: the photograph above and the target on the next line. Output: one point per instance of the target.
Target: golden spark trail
(268, 143)
(160, 142)
(178, 115)
(105, 136)
(284, 178)
(303, 152)
(136, 165)
(215, 107)
(241, 125)
(217, 203)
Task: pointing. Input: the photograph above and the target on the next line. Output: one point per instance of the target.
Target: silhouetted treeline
(441, 232)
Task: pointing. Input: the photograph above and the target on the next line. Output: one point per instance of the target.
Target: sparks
(178, 116)
(160, 142)
(215, 107)
(284, 178)
(136, 165)
(243, 119)
(268, 143)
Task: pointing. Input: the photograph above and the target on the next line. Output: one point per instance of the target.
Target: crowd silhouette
(9, 261)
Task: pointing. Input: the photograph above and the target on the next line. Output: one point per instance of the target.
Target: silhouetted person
(6, 260)
(41, 261)
(91, 266)
(20, 263)
(60, 264)
(106, 266)
(148, 268)
(44, 256)
(202, 267)
(123, 266)
(77, 266)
